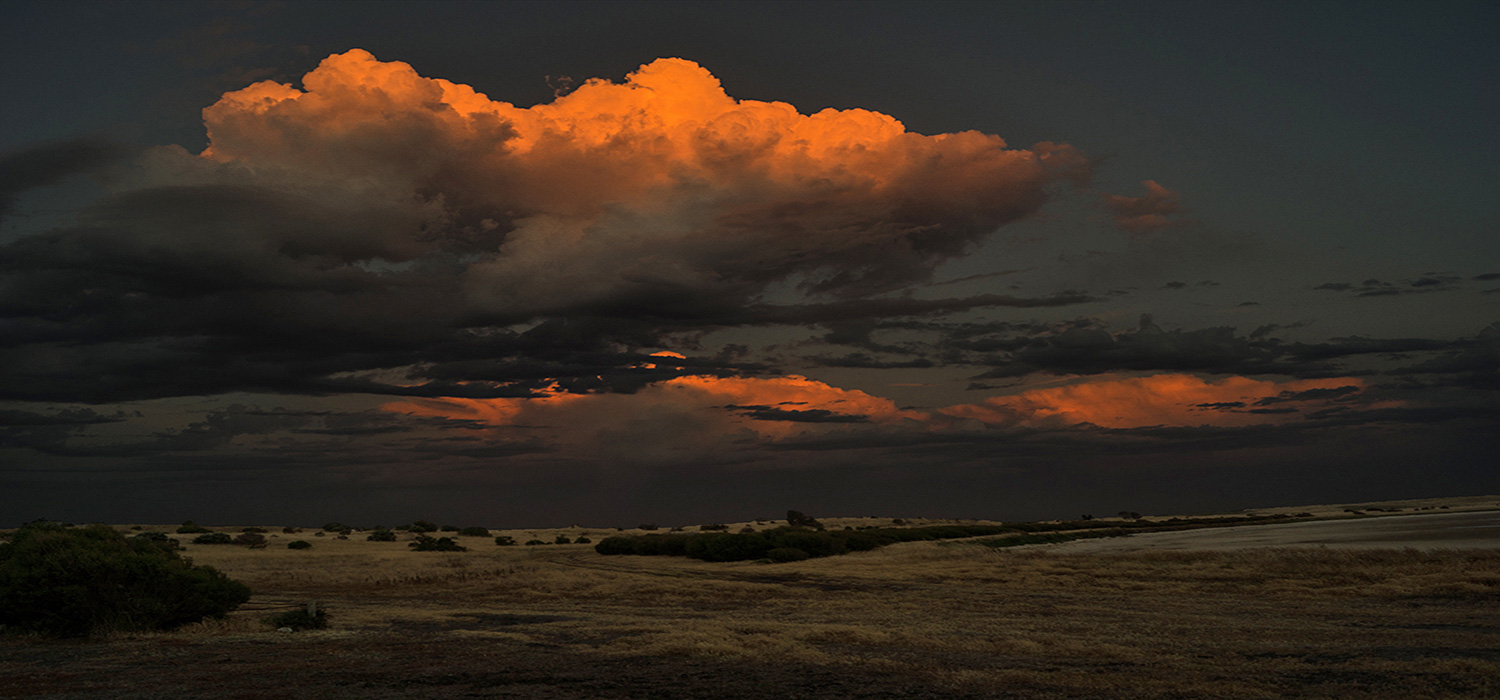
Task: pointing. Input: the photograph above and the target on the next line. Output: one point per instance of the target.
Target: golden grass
(1252, 623)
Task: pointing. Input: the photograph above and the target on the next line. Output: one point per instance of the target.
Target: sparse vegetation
(189, 527)
(75, 582)
(299, 544)
(214, 538)
(381, 536)
(562, 539)
(505, 540)
(474, 532)
(253, 540)
(424, 543)
(299, 620)
(742, 546)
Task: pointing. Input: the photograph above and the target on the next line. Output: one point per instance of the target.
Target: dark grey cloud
(49, 163)
(1431, 282)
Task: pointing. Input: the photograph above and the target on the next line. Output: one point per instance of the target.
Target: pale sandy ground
(1462, 530)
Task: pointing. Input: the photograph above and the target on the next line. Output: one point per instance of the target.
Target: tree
(73, 582)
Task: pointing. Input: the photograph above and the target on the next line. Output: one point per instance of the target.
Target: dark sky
(531, 264)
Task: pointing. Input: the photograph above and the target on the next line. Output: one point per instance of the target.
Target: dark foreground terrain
(917, 620)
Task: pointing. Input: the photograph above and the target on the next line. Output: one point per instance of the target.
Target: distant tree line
(792, 543)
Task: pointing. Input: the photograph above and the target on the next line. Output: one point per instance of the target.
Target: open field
(916, 620)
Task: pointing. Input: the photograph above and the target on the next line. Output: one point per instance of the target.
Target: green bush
(299, 544)
(299, 620)
(381, 536)
(421, 526)
(505, 540)
(253, 540)
(159, 538)
(424, 543)
(474, 532)
(191, 528)
(214, 538)
(449, 528)
(562, 539)
(583, 540)
(75, 582)
(786, 554)
(533, 543)
(334, 527)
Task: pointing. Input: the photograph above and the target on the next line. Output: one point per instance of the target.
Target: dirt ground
(919, 620)
(1464, 530)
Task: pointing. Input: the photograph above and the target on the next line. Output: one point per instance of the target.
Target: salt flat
(1467, 530)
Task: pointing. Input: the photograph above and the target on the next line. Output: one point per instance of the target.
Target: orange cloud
(1163, 399)
(770, 407)
(1144, 214)
(660, 181)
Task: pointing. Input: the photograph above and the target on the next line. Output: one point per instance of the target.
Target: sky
(541, 264)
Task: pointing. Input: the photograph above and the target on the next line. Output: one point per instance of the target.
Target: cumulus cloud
(658, 183)
(373, 221)
(1144, 214)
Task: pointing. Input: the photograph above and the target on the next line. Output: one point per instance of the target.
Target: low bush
(423, 543)
(475, 532)
(583, 540)
(533, 543)
(449, 528)
(334, 527)
(253, 540)
(381, 536)
(299, 620)
(505, 540)
(299, 544)
(786, 554)
(191, 528)
(254, 530)
(75, 582)
(713, 527)
(159, 538)
(291, 530)
(562, 539)
(421, 526)
(214, 538)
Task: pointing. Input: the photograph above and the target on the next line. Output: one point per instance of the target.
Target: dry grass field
(916, 620)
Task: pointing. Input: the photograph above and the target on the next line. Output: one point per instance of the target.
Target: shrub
(158, 538)
(333, 527)
(424, 543)
(191, 528)
(449, 528)
(318, 533)
(647, 526)
(299, 544)
(421, 526)
(254, 530)
(213, 538)
(291, 530)
(798, 519)
(533, 543)
(582, 540)
(381, 536)
(713, 526)
(786, 554)
(562, 539)
(299, 620)
(254, 540)
(474, 532)
(505, 540)
(615, 545)
(74, 582)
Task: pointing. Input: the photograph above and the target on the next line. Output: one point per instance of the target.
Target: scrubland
(920, 620)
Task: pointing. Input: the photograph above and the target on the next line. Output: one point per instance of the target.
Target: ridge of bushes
(745, 546)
